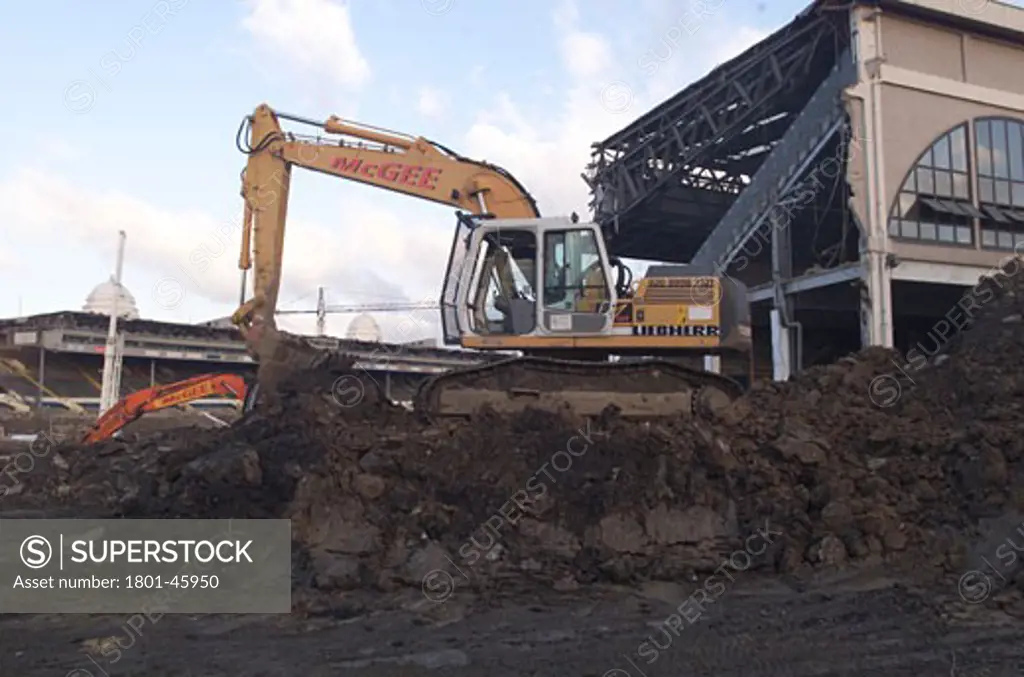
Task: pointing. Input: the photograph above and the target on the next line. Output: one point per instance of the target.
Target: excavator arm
(137, 404)
(413, 166)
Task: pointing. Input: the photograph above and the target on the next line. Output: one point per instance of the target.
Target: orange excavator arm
(135, 405)
(413, 166)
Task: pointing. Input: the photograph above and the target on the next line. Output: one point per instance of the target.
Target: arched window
(934, 203)
(999, 149)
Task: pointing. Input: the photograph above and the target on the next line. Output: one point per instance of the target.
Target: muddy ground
(864, 518)
(761, 627)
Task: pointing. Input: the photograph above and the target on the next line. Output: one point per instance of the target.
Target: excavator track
(639, 389)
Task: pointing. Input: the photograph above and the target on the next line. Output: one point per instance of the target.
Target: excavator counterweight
(544, 287)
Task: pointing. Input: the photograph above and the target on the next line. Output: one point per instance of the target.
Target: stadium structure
(55, 360)
(858, 170)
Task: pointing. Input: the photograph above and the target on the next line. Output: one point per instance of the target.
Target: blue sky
(122, 114)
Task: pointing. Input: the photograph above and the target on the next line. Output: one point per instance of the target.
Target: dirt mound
(880, 458)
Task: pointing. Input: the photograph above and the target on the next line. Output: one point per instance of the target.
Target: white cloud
(716, 49)
(316, 35)
(371, 256)
(431, 102)
(59, 150)
(477, 76)
(566, 14)
(585, 54)
(738, 41)
(9, 263)
(549, 150)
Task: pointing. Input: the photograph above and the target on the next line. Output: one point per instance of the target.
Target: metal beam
(939, 273)
(709, 251)
(393, 357)
(844, 273)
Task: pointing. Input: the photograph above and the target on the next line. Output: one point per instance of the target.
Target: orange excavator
(137, 404)
(546, 287)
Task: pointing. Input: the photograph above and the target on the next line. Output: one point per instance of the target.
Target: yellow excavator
(546, 287)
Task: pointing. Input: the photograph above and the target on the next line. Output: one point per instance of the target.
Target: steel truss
(714, 135)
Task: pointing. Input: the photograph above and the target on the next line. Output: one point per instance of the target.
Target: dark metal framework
(660, 185)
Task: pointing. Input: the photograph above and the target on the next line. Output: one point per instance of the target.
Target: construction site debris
(821, 472)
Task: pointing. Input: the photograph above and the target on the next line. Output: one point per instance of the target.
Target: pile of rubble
(880, 458)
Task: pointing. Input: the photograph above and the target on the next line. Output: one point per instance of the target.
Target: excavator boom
(413, 166)
(142, 402)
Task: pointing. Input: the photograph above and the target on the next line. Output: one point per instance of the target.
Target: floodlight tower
(113, 353)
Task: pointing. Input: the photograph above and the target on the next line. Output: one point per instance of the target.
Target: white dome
(101, 300)
(364, 328)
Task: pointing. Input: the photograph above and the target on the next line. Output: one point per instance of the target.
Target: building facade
(938, 179)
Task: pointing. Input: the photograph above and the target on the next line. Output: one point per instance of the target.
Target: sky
(122, 115)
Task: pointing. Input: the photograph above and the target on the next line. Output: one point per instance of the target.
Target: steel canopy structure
(661, 185)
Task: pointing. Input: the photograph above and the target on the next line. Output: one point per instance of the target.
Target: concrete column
(876, 294)
(782, 350)
(782, 305)
(876, 301)
(42, 378)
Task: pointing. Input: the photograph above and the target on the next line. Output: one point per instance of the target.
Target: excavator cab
(510, 280)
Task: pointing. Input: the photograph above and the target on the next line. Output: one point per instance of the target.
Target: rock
(551, 538)
(429, 559)
(372, 462)
(837, 516)
(369, 487)
(808, 453)
(667, 526)
(252, 474)
(829, 551)
(621, 533)
(343, 531)
(993, 465)
(335, 570)
(566, 584)
(856, 546)
(721, 455)
(874, 522)
(894, 539)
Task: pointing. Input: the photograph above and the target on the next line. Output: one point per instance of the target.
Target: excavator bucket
(279, 354)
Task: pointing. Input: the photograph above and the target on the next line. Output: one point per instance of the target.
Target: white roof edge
(989, 12)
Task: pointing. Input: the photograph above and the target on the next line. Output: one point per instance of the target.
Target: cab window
(574, 278)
